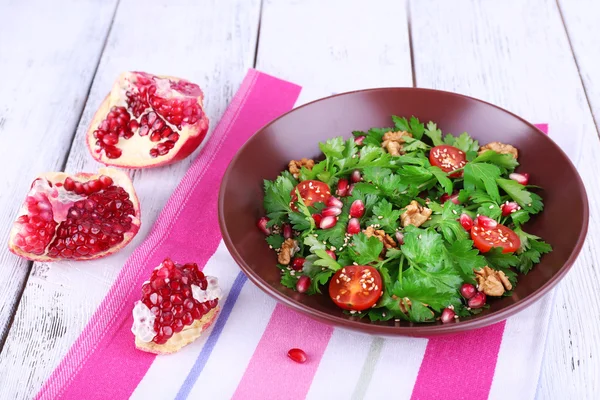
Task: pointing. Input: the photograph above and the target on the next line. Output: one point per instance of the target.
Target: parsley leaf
(463, 142)
(423, 247)
(506, 161)
(414, 174)
(375, 136)
(482, 176)
(434, 134)
(416, 128)
(491, 210)
(530, 202)
(299, 221)
(401, 123)
(519, 217)
(319, 279)
(277, 197)
(532, 249)
(275, 241)
(466, 258)
(412, 144)
(287, 279)
(335, 236)
(389, 220)
(446, 221)
(365, 249)
(325, 260)
(318, 171)
(442, 178)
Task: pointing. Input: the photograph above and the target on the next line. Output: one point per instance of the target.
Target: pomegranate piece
(177, 297)
(485, 222)
(353, 226)
(331, 254)
(287, 231)
(400, 238)
(317, 218)
(359, 140)
(342, 188)
(148, 121)
(303, 284)
(466, 221)
(509, 207)
(477, 301)
(297, 355)
(453, 198)
(356, 176)
(523, 179)
(331, 212)
(298, 263)
(448, 315)
(467, 290)
(76, 217)
(357, 209)
(334, 202)
(262, 225)
(328, 222)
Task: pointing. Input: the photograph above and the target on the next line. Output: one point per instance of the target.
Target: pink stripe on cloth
(458, 361)
(286, 380)
(455, 363)
(103, 363)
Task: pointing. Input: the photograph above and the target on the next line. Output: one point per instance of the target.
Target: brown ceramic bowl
(297, 134)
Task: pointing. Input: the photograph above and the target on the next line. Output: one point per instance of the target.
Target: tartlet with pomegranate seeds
(404, 223)
(178, 304)
(148, 121)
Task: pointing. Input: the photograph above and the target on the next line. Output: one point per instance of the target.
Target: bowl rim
(418, 330)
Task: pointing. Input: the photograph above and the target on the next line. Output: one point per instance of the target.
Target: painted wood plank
(581, 21)
(211, 43)
(516, 54)
(335, 46)
(47, 64)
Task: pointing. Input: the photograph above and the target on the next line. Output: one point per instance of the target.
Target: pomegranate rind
(181, 339)
(119, 178)
(191, 136)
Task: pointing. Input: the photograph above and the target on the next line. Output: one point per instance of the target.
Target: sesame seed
(322, 195)
(352, 312)
(292, 273)
(492, 206)
(454, 212)
(338, 296)
(271, 247)
(529, 205)
(364, 286)
(474, 233)
(380, 217)
(383, 314)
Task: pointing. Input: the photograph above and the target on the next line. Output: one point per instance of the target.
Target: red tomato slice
(356, 287)
(500, 236)
(312, 192)
(448, 158)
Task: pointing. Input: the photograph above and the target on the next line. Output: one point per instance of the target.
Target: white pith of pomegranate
(76, 217)
(148, 121)
(175, 296)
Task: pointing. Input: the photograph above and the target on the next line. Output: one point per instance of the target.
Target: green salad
(404, 223)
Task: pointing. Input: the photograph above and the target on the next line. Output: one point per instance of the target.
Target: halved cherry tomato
(355, 287)
(448, 158)
(500, 236)
(311, 192)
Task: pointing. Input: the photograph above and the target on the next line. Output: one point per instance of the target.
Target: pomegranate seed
(447, 315)
(466, 221)
(523, 179)
(485, 222)
(400, 238)
(453, 198)
(359, 140)
(69, 184)
(477, 301)
(331, 254)
(287, 231)
(509, 207)
(106, 181)
(262, 225)
(334, 202)
(342, 188)
(298, 263)
(331, 212)
(353, 226)
(350, 190)
(328, 222)
(297, 355)
(357, 209)
(317, 218)
(356, 176)
(303, 284)
(467, 290)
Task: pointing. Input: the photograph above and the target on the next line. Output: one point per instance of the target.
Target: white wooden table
(538, 58)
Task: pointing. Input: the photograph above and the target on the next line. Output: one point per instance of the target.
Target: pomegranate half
(148, 121)
(76, 217)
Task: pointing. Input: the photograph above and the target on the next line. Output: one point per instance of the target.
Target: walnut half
(295, 166)
(392, 141)
(415, 214)
(492, 282)
(380, 234)
(500, 148)
(287, 251)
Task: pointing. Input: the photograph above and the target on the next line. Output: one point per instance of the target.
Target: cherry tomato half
(311, 192)
(448, 158)
(500, 236)
(355, 287)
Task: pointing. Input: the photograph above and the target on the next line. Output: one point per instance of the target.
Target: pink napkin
(243, 355)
